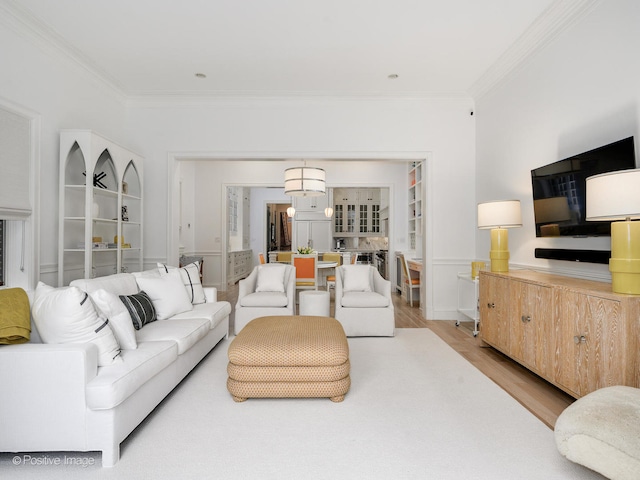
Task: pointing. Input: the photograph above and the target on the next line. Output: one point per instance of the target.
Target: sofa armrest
(211, 294)
(43, 393)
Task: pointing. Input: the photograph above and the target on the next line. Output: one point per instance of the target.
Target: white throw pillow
(119, 319)
(271, 278)
(357, 278)
(67, 315)
(190, 275)
(167, 294)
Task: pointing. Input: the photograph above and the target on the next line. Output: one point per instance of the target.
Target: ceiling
(297, 47)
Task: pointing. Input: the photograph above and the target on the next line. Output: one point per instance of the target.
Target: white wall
(36, 76)
(319, 128)
(582, 91)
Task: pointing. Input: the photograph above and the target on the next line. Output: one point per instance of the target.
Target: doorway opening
(278, 227)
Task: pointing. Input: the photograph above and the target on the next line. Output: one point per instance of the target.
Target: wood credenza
(574, 333)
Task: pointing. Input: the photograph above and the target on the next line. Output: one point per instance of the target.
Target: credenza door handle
(579, 339)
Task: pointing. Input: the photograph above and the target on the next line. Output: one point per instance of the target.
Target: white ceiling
(297, 47)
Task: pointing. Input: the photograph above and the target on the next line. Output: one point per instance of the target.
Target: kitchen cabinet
(312, 233)
(356, 211)
(311, 204)
(574, 333)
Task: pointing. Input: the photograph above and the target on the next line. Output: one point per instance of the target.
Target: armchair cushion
(357, 278)
(364, 300)
(264, 299)
(270, 278)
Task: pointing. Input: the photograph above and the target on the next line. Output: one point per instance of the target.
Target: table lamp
(499, 216)
(616, 196)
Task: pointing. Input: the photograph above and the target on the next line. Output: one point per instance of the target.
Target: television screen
(559, 190)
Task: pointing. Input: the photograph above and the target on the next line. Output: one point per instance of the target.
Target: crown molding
(556, 19)
(24, 23)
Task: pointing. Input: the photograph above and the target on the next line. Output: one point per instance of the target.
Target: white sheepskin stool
(602, 432)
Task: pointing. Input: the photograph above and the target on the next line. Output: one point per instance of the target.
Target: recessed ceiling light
(393, 76)
(201, 75)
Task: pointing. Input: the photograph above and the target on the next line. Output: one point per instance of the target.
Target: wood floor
(540, 397)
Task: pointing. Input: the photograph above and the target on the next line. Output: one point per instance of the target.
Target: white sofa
(262, 294)
(55, 397)
(363, 302)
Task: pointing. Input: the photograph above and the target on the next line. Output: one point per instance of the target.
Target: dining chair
(284, 257)
(332, 257)
(261, 257)
(410, 282)
(306, 266)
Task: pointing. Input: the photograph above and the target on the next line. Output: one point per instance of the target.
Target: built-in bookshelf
(415, 203)
(100, 205)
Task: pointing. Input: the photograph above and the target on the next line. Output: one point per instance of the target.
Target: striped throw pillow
(140, 308)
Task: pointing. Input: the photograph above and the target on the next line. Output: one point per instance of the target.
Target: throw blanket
(15, 316)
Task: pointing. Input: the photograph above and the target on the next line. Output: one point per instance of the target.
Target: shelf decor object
(304, 182)
(615, 196)
(499, 216)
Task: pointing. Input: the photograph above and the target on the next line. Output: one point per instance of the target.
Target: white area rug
(416, 410)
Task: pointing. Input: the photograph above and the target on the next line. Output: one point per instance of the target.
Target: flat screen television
(559, 190)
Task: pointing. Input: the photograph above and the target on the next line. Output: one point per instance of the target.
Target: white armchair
(268, 290)
(363, 304)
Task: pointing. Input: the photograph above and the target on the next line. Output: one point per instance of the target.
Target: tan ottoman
(289, 356)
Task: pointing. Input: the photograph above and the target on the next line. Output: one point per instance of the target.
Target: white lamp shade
(614, 196)
(291, 212)
(500, 214)
(304, 182)
(328, 212)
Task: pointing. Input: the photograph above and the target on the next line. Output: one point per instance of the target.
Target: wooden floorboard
(537, 395)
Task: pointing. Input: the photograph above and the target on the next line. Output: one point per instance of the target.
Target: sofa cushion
(270, 278)
(185, 333)
(167, 294)
(215, 312)
(264, 299)
(115, 383)
(357, 278)
(67, 315)
(119, 318)
(190, 275)
(364, 300)
(118, 284)
(140, 309)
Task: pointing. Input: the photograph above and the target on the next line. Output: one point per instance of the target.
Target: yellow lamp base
(499, 253)
(624, 264)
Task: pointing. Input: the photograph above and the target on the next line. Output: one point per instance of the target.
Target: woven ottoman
(289, 356)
